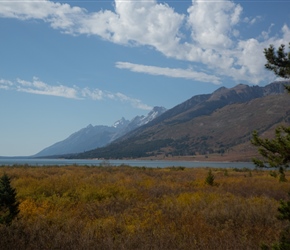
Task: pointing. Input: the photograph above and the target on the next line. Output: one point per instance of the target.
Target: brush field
(80, 207)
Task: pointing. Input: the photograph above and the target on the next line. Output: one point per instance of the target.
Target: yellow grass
(124, 207)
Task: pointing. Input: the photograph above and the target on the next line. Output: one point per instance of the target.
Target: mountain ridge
(191, 128)
(92, 137)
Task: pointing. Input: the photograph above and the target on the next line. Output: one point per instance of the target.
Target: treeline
(124, 207)
(181, 147)
(125, 150)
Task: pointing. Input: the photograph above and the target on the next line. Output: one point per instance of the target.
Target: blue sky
(67, 64)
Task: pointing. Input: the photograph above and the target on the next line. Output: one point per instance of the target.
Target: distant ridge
(92, 137)
(217, 123)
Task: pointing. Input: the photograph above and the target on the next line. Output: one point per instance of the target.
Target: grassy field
(78, 207)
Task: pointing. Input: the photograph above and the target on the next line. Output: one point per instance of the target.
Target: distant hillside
(93, 137)
(218, 123)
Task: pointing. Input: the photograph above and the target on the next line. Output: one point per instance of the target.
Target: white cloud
(266, 34)
(286, 33)
(5, 84)
(207, 34)
(41, 88)
(212, 23)
(253, 20)
(169, 72)
(60, 16)
(134, 102)
(95, 94)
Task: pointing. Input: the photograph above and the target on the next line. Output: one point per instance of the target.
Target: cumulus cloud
(212, 23)
(169, 72)
(58, 15)
(207, 34)
(39, 87)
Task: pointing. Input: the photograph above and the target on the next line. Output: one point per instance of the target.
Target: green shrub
(210, 178)
(8, 203)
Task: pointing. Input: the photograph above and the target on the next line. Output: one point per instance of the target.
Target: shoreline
(205, 158)
(201, 158)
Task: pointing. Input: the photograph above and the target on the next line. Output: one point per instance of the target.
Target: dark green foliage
(8, 203)
(282, 177)
(284, 210)
(278, 61)
(125, 149)
(284, 241)
(276, 152)
(284, 214)
(210, 178)
(273, 174)
(226, 172)
(241, 169)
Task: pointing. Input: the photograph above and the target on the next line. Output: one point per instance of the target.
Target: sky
(67, 64)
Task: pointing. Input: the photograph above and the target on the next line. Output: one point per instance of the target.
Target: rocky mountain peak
(243, 92)
(216, 95)
(276, 87)
(155, 112)
(216, 123)
(241, 88)
(121, 123)
(92, 137)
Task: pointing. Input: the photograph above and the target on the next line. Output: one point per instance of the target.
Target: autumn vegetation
(82, 207)
(106, 207)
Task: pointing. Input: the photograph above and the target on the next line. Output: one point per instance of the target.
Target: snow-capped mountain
(216, 123)
(139, 121)
(122, 123)
(142, 120)
(92, 137)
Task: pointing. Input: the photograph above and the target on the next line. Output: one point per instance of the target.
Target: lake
(136, 163)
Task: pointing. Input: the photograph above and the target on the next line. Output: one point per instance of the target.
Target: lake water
(136, 163)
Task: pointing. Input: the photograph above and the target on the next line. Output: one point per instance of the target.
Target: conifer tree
(275, 152)
(278, 61)
(210, 178)
(8, 202)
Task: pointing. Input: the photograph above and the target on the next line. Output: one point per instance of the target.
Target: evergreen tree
(209, 178)
(284, 241)
(8, 202)
(275, 152)
(278, 61)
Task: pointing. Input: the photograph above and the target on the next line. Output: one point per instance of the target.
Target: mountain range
(92, 137)
(220, 123)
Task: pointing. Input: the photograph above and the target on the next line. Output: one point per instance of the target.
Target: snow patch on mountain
(92, 137)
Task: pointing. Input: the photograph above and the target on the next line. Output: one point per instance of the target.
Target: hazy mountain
(139, 121)
(93, 137)
(211, 123)
(85, 139)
